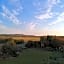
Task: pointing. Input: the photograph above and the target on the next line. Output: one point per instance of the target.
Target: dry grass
(60, 38)
(25, 38)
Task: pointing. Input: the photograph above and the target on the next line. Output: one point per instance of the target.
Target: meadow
(36, 56)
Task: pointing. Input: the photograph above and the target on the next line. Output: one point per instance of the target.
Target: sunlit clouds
(33, 17)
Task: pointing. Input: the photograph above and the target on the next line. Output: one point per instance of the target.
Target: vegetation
(33, 44)
(48, 50)
(36, 56)
(9, 49)
(19, 41)
(2, 41)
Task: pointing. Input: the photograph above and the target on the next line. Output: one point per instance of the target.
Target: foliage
(29, 44)
(33, 44)
(2, 41)
(9, 49)
(19, 41)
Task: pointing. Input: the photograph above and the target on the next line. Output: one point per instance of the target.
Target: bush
(38, 44)
(2, 41)
(19, 41)
(33, 44)
(9, 50)
(29, 44)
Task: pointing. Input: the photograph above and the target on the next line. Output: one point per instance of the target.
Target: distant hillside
(15, 35)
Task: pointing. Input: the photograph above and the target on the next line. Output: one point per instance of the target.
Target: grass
(36, 56)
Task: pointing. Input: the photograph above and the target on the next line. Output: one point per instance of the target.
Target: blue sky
(32, 17)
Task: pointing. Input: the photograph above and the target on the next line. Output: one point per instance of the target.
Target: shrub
(9, 49)
(29, 44)
(19, 41)
(2, 41)
(38, 44)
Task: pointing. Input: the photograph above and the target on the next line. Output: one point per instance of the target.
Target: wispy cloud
(11, 16)
(17, 5)
(32, 26)
(59, 19)
(51, 3)
(48, 13)
(15, 12)
(38, 5)
(44, 16)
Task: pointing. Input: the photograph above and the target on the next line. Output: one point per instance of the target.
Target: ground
(36, 56)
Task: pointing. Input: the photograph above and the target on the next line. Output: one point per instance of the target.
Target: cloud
(31, 30)
(17, 5)
(51, 4)
(48, 12)
(11, 16)
(15, 12)
(44, 16)
(12, 30)
(59, 19)
(32, 26)
(38, 5)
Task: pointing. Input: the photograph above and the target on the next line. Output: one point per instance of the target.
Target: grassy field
(36, 56)
(18, 37)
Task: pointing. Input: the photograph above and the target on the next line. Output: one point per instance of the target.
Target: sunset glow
(32, 17)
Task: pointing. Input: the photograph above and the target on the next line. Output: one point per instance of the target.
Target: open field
(21, 37)
(27, 37)
(60, 38)
(36, 56)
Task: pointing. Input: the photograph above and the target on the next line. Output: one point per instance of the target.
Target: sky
(32, 17)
